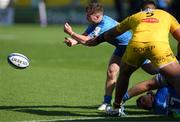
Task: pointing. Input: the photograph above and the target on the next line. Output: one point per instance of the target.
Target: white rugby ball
(18, 60)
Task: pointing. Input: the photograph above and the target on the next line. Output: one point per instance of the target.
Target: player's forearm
(136, 90)
(111, 34)
(108, 36)
(80, 38)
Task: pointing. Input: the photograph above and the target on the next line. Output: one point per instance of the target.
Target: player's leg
(123, 82)
(172, 74)
(121, 88)
(112, 71)
(156, 82)
(162, 57)
(132, 60)
(140, 88)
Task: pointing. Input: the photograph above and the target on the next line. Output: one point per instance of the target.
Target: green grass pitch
(61, 83)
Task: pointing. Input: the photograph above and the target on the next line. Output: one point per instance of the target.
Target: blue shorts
(120, 50)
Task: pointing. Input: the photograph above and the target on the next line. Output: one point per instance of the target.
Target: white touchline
(89, 118)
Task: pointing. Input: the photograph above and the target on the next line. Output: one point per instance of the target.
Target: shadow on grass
(94, 107)
(44, 106)
(89, 111)
(133, 113)
(57, 113)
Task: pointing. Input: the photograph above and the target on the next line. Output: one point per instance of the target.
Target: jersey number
(149, 14)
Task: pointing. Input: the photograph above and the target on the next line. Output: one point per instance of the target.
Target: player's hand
(70, 42)
(68, 29)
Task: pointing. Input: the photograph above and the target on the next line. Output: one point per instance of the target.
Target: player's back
(151, 25)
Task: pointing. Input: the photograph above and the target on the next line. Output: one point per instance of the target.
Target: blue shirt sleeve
(94, 31)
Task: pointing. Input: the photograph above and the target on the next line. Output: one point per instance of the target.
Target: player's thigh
(170, 70)
(115, 60)
(126, 69)
(161, 54)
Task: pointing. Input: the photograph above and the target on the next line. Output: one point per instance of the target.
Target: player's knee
(112, 72)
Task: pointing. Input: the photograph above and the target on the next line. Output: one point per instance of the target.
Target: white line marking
(90, 118)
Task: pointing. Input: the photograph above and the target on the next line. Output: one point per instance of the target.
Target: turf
(61, 83)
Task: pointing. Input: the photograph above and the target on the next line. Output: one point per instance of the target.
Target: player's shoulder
(108, 18)
(151, 10)
(107, 21)
(161, 11)
(163, 14)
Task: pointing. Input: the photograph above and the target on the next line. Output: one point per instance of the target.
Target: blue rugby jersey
(106, 24)
(166, 99)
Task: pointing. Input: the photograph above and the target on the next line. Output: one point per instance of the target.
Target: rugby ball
(18, 60)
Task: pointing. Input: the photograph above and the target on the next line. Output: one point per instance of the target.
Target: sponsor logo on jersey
(96, 32)
(142, 49)
(159, 59)
(150, 20)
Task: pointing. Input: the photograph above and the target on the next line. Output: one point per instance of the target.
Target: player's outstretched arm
(109, 35)
(81, 38)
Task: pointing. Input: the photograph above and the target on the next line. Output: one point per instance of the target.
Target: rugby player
(100, 23)
(161, 102)
(164, 101)
(150, 40)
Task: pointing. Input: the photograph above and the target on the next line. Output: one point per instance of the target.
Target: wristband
(72, 34)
